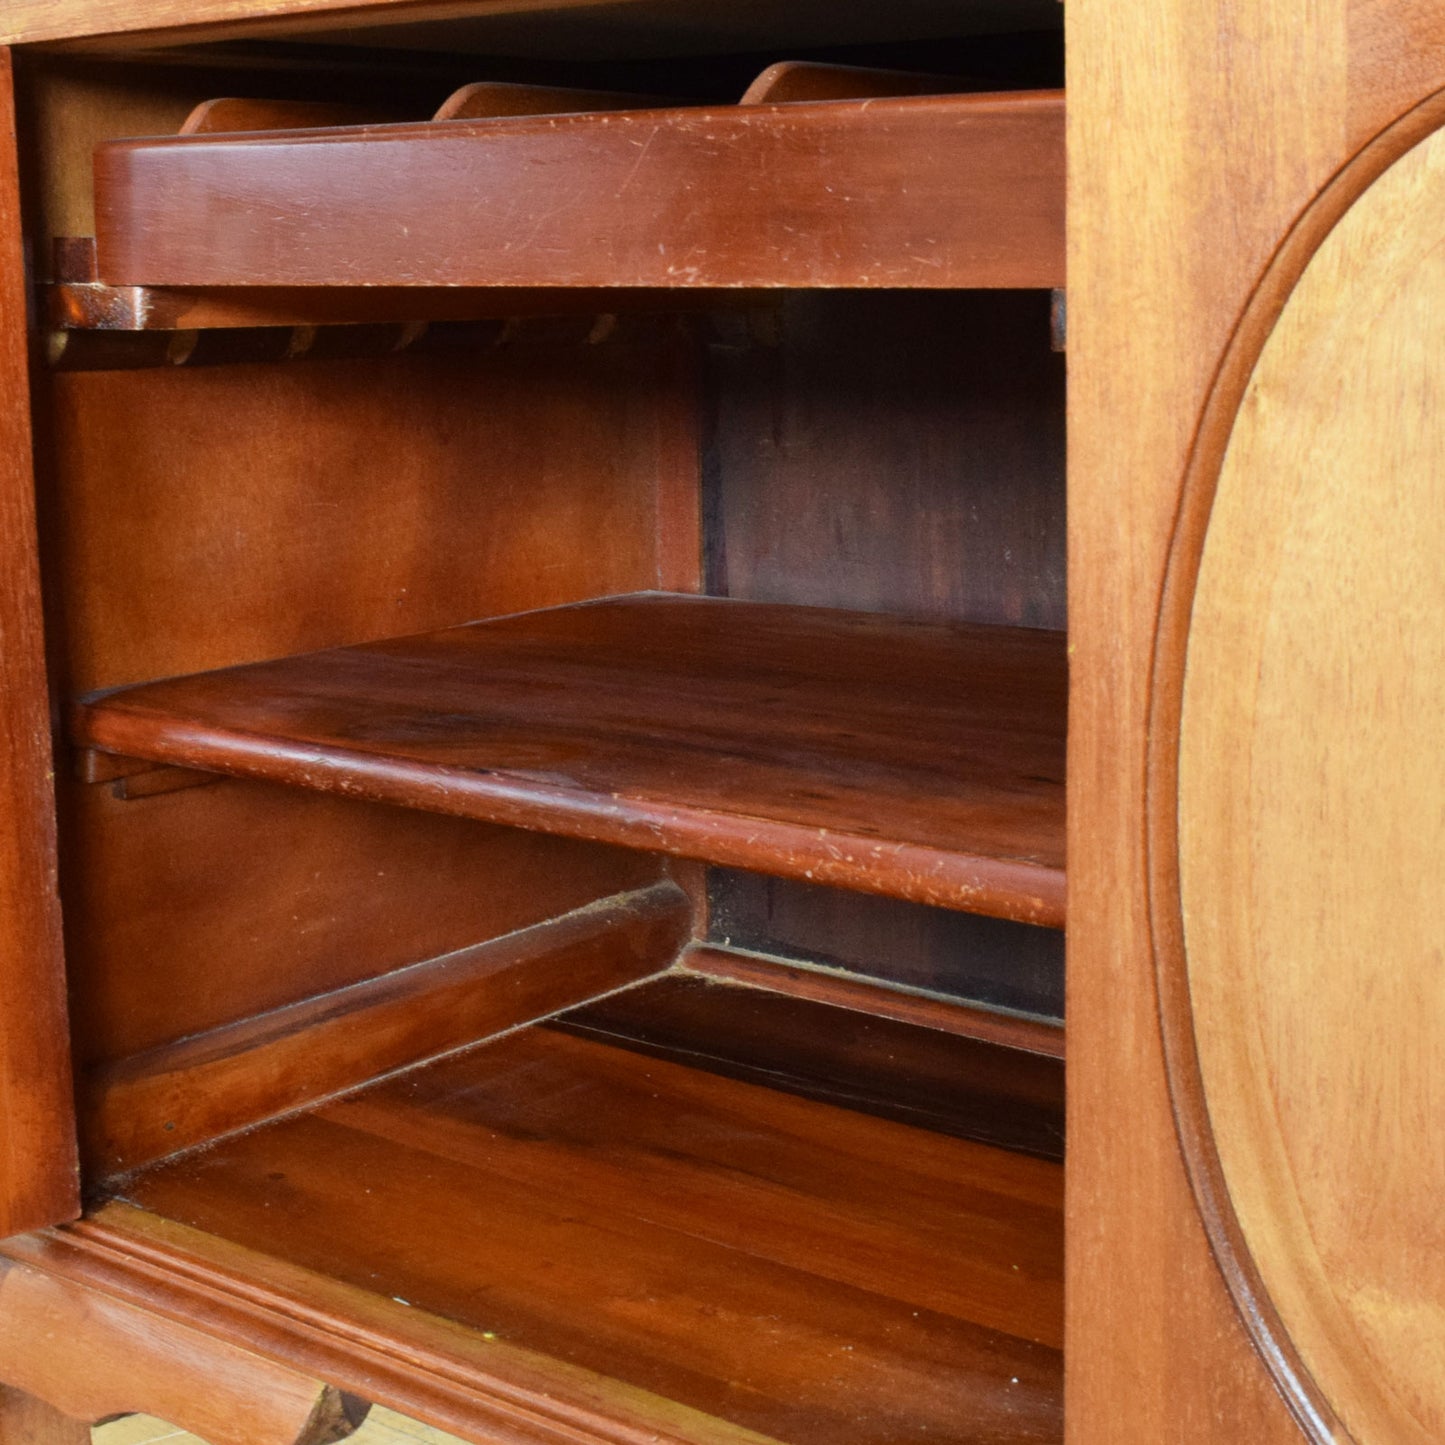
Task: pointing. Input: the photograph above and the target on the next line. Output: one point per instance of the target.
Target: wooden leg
(93, 1355)
(25, 1420)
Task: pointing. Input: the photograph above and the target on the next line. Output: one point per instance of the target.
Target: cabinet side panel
(1198, 133)
(37, 1128)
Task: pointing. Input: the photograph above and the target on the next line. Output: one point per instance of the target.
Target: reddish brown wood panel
(794, 1268)
(172, 1098)
(37, 1127)
(938, 1079)
(194, 910)
(918, 760)
(930, 192)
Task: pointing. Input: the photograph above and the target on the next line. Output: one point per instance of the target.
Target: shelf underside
(936, 192)
(752, 1261)
(923, 761)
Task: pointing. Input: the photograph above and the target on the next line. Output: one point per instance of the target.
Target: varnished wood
(26, 1420)
(632, 1227)
(1308, 923)
(795, 80)
(494, 99)
(915, 760)
(832, 987)
(235, 113)
(932, 192)
(1282, 90)
(135, 1360)
(37, 1163)
(839, 1049)
(172, 1098)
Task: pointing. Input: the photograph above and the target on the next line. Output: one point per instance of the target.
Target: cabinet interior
(561, 784)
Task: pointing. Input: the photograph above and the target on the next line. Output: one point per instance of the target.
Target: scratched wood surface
(933, 192)
(913, 759)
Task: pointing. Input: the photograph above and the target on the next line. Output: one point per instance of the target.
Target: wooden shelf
(650, 1252)
(932, 191)
(923, 761)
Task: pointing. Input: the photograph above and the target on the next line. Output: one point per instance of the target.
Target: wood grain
(801, 80)
(1153, 301)
(910, 759)
(37, 1125)
(741, 1252)
(933, 192)
(494, 99)
(1311, 837)
(173, 1098)
(26, 1420)
(833, 987)
(138, 1360)
(965, 1084)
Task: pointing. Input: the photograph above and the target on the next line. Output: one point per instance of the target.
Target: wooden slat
(495, 99)
(180, 1095)
(925, 192)
(38, 1183)
(801, 80)
(922, 761)
(229, 114)
(783, 1265)
(863, 995)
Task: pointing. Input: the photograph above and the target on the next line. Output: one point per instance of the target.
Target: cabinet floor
(383, 1427)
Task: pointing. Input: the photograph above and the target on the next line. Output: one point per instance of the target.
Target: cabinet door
(1257, 808)
(38, 1183)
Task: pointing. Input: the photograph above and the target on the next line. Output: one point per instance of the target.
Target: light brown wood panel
(1153, 297)
(1312, 810)
(26, 1420)
(193, 910)
(37, 1129)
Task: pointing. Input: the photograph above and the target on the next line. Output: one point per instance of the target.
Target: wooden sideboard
(576, 574)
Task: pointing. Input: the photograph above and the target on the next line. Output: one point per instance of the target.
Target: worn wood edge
(188, 1094)
(1303, 1396)
(832, 986)
(39, 1183)
(421, 1365)
(136, 1360)
(121, 176)
(1010, 888)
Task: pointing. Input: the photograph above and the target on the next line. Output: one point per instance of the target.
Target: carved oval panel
(1311, 811)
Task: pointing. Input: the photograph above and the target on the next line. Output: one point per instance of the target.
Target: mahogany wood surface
(1152, 97)
(172, 1098)
(797, 80)
(952, 1080)
(831, 986)
(37, 1161)
(235, 113)
(784, 1265)
(493, 99)
(134, 1359)
(917, 760)
(1310, 825)
(932, 192)
(28, 1420)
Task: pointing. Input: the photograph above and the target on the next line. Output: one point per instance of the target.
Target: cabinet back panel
(892, 452)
